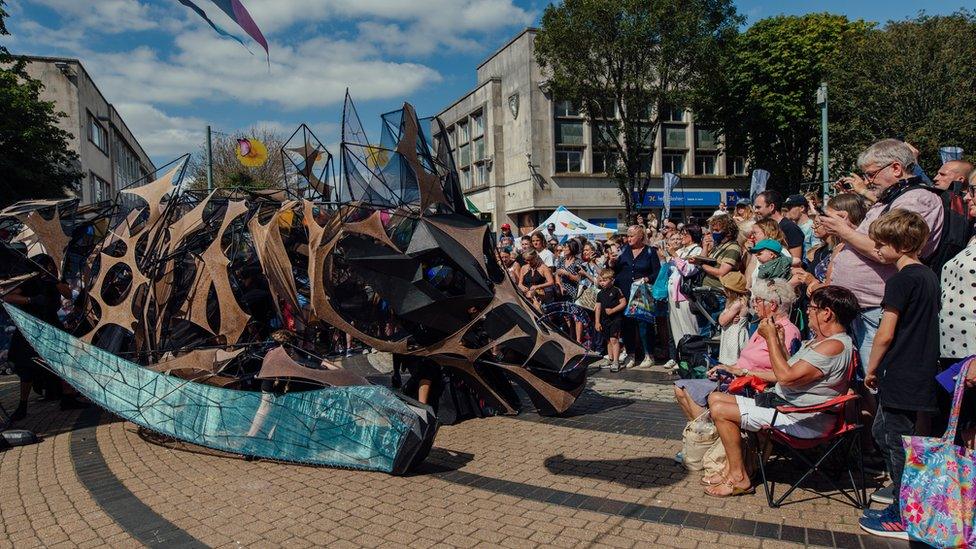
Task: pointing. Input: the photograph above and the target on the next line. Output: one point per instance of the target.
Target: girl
(734, 318)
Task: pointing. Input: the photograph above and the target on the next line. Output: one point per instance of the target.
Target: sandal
(712, 480)
(736, 490)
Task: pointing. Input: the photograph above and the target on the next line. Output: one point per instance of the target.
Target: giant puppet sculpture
(174, 336)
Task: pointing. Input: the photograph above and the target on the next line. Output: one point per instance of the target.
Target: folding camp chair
(843, 439)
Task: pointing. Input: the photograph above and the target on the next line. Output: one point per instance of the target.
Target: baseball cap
(795, 200)
(506, 226)
(744, 202)
(767, 244)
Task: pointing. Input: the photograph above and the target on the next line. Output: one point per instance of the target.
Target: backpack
(955, 226)
(694, 357)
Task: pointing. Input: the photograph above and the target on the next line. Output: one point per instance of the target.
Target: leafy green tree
(35, 161)
(625, 62)
(763, 99)
(914, 80)
(228, 172)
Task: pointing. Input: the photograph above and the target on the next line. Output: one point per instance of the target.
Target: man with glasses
(887, 168)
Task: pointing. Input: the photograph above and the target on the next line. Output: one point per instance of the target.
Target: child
(610, 305)
(772, 262)
(734, 318)
(905, 353)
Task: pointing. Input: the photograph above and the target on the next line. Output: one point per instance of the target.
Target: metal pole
(210, 185)
(822, 99)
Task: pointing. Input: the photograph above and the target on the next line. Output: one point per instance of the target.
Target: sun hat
(734, 282)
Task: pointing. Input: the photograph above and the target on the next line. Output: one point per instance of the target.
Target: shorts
(698, 389)
(611, 327)
(753, 418)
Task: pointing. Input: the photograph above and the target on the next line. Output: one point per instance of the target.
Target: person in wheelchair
(818, 372)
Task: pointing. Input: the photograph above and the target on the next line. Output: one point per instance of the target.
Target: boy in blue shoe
(905, 354)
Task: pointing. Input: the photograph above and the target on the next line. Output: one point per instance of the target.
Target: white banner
(670, 182)
(758, 185)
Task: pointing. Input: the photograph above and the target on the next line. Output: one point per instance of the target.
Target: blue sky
(170, 75)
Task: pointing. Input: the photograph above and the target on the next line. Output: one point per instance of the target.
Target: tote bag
(697, 438)
(640, 306)
(938, 496)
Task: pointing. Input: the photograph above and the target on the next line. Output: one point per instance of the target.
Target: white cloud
(107, 16)
(162, 136)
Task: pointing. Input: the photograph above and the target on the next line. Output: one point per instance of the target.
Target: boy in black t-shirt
(610, 303)
(905, 354)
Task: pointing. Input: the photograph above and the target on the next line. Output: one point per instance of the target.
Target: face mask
(717, 237)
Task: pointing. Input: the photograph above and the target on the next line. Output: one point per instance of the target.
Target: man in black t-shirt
(905, 353)
(769, 204)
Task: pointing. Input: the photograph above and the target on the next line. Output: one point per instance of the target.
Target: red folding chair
(844, 439)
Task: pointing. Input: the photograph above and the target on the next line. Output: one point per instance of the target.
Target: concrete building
(521, 153)
(109, 156)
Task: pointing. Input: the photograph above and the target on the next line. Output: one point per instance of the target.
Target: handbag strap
(950, 432)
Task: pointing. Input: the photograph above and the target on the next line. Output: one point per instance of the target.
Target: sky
(170, 75)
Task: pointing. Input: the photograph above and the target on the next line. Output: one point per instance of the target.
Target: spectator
(722, 247)
(636, 263)
(958, 312)
(905, 352)
(683, 246)
(535, 280)
(568, 276)
(734, 318)
(551, 232)
(525, 244)
(539, 246)
(846, 205)
(764, 229)
(816, 373)
(815, 203)
(610, 303)
(506, 232)
(505, 256)
(797, 209)
(639, 220)
(505, 242)
(887, 167)
(772, 262)
(769, 205)
(953, 171)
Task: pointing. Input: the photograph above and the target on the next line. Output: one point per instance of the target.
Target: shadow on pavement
(441, 460)
(592, 402)
(649, 472)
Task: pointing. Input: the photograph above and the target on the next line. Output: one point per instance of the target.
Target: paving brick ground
(602, 476)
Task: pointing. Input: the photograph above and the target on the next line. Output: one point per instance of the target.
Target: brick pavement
(601, 476)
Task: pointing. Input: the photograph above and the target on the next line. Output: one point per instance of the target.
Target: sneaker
(615, 366)
(623, 357)
(679, 458)
(671, 365)
(646, 363)
(606, 357)
(884, 495)
(348, 353)
(888, 525)
(876, 513)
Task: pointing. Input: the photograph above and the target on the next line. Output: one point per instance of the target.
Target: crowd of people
(793, 291)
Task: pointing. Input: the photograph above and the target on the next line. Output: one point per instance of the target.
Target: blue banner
(688, 199)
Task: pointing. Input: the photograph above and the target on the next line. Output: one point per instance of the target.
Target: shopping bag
(587, 296)
(747, 385)
(938, 487)
(699, 435)
(660, 288)
(640, 306)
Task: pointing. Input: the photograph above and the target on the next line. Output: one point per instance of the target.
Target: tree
(625, 62)
(229, 172)
(914, 80)
(35, 161)
(763, 102)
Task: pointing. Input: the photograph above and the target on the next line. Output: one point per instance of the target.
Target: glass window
(672, 114)
(674, 137)
(100, 189)
(604, 133)
(451, 139)
(603, 161)
(481, 174)
(608, 108)
(673, 163)
(566, 108)
(569, 160)
(645, 162)
(97, 133)
(479, 148)
(464, 155)
(569, 133)
(463, 134)
(466, 178)
(706, 139)
(735, 165)
(705, 163)
(477, 124)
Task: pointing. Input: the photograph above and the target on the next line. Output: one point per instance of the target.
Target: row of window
(608, 110)
(570, 160)
(468, 145)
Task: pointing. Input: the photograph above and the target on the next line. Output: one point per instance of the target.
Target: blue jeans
(865, 328)
(890, 425)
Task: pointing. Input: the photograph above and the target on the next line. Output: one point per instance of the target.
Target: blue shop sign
(681, 199)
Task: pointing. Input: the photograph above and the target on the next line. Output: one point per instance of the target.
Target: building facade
(109, 156)
(521, 153)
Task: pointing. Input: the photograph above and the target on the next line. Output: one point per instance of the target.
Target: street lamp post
(209, 161)
(825, 154)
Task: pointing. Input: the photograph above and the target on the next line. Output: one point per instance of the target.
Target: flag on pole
(758, 185)
(670, 182)
(950, 153)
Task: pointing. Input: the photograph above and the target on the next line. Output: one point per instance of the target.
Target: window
(100, 189)
(705, 163)
(675, 137)
(645, 162)
(451, 140)
(125, 162)
(566, 108)
(464, 155)
(97, 133)
(477, 125)
(671, 114)
(463, 134)
(735, 165)
(569, 132)
(603, 133)
(465, 179)
(706, 140)
(569, 160)
(673, 162)
(608, 109)
(481, 174)
(603, 161)
(479, 148)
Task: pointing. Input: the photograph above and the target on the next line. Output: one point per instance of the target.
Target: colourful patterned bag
(640, 306)
(938, 496)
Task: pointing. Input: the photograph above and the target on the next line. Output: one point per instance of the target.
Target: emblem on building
(513, 104)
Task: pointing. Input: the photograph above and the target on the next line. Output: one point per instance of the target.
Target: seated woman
(818, 372)
(772, 300)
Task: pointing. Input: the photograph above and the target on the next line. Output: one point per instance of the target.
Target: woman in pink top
(770, 299)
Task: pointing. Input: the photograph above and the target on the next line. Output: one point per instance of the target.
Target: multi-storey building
(522, 153)
(109, 156)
